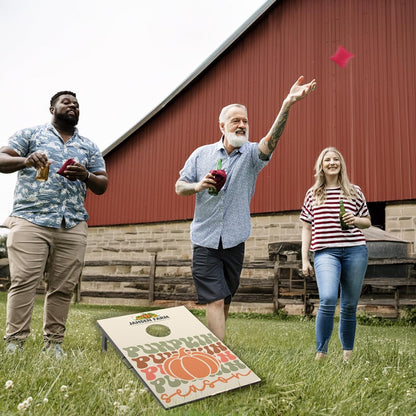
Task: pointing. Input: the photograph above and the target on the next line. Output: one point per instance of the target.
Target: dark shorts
(216, 272)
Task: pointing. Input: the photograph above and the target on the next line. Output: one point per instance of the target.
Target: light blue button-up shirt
(226, 215)
(49, 203)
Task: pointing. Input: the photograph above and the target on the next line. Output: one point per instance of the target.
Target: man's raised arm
(298, 91)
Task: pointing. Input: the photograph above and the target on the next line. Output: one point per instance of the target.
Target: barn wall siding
(365, 109)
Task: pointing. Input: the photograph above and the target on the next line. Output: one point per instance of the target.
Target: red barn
(365, 109)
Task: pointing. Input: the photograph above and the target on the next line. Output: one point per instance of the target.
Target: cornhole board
(175, 355)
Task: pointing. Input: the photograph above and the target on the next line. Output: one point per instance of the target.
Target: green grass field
(380, 380)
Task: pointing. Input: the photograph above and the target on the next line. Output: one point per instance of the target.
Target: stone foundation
(171, 241)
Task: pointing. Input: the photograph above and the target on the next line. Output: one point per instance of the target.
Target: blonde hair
(348, 190)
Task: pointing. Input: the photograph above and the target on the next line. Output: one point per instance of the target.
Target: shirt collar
(52, 128)
(242, 149)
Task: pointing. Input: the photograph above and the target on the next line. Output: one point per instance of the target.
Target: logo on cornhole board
(175, 355)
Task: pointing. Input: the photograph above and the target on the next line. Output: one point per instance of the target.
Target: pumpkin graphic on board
(189, 365)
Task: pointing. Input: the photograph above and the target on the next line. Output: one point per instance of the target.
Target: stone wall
(171, 241)
(401, 222)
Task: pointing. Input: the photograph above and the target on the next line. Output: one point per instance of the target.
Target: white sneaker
(53, 348)
(14, 347)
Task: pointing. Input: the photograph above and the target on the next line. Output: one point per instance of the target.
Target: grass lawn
(380, 380)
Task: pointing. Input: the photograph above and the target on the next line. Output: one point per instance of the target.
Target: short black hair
(58, 94)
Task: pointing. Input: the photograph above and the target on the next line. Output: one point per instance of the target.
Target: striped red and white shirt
(326, 226)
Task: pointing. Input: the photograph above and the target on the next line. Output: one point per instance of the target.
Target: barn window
(378, 214)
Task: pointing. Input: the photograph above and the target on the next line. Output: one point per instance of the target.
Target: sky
(122, 58)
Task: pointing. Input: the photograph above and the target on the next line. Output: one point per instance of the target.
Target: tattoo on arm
(263, 156)
(277, 131)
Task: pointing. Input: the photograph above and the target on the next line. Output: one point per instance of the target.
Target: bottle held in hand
(344, 226)
(42, 173)
(219, 176)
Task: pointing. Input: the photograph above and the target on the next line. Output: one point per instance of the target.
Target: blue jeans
(335, 267)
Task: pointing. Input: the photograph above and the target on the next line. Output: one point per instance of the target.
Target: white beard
(236, 140)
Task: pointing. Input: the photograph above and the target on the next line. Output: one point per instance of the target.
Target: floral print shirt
(58, 200)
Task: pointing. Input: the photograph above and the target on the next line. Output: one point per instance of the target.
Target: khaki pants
(36, 252)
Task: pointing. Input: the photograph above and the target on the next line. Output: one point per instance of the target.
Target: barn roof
(209, 61)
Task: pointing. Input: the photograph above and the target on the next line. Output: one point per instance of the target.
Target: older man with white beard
(221, 223)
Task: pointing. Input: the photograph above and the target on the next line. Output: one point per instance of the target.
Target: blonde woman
(340, 256)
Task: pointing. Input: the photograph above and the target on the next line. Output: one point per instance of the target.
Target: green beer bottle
(213, 191)
(344, 226)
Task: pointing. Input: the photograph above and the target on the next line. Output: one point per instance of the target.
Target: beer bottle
(344, 226)
(213, 191)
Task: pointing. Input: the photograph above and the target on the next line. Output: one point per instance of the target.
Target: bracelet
(88, 176)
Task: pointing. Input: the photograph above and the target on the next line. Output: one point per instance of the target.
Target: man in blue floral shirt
(48, 228)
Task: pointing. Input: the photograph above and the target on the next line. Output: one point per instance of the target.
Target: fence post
(152, 277)
(276, 279)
